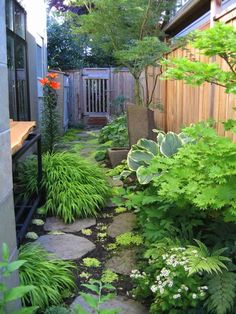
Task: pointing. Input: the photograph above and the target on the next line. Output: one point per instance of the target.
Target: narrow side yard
(100, 247)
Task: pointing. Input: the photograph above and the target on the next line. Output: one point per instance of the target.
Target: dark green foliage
(74, 187)
(100, 155)
(116, 132)
(222, 290)
(50, 119)
(57, 310)
(50, 276)
(134, 36)
(67, 50)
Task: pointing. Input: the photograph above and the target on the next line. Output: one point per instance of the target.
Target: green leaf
(143, 175)
(15, 265)
(93, 288)
(110, 311)
(149, 145)
(170, 144)
(79, 310)
(90, 300)
(5, 252)
(17, 293)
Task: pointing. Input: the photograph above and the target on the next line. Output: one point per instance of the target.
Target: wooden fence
(183, 104)
(93, 90)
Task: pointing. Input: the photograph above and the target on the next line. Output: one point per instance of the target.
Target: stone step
(66, 246)
(55, 224)
(126, 306)
(122, 223)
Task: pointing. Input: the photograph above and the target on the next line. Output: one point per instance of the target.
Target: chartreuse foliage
(50, 276)
(219, 41)
(202, 174)
(74, 187)
(7, 294)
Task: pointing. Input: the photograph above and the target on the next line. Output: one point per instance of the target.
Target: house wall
(183, 104)
(36, 37)
(7, 218)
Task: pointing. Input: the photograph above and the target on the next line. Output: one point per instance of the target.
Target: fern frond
(202, 260)
(222, 290)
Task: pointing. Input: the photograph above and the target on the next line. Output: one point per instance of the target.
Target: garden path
(94, 238)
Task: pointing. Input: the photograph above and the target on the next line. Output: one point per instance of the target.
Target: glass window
(17, 62)
(9, 14)
(39, 61)
(11, 78)
(19, 21)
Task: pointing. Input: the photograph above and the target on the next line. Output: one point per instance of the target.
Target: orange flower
(52, 75)
(44, 81)
(54, 85)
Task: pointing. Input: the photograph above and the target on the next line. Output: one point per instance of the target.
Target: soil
(123, 284)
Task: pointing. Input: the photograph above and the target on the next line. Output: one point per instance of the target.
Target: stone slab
(55, 224)
(123, 262)
(126, 306)
(121, 224)
(66, 246)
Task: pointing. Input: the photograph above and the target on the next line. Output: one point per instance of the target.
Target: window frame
(17, 39)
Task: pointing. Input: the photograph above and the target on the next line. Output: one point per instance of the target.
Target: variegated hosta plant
(141, 154)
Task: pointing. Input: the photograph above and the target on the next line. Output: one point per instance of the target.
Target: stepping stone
(66, 246)
(123, 262)
(55, 224)
(121, 224)
(126, 306)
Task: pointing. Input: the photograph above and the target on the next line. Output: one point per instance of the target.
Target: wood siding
(183, 104)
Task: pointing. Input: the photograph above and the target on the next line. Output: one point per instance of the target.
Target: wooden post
(215, 9)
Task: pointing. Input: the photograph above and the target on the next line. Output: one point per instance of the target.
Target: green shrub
(116, 131)
(74, 187)
(57, 310)
(177, 276)
(201, 174)
(50, 276)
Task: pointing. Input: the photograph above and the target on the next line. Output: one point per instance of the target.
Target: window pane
(11, 78)
(9, 14)
(39, 62)
(19, 21)
(21, 79)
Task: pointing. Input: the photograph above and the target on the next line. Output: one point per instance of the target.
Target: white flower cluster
(163, 280)
(135, 273)
(177, 257)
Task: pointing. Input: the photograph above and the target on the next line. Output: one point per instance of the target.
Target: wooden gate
(96, 92)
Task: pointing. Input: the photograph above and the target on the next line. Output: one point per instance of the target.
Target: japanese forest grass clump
(73, 187)
(51, 277)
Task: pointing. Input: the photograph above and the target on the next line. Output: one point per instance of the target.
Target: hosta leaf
(143, 175)
(149, 145)
(170, 144)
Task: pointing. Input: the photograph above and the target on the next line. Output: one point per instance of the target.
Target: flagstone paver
(121, 224)
(126, 306)
(123, 262)
(55, 224)
(66, 246)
